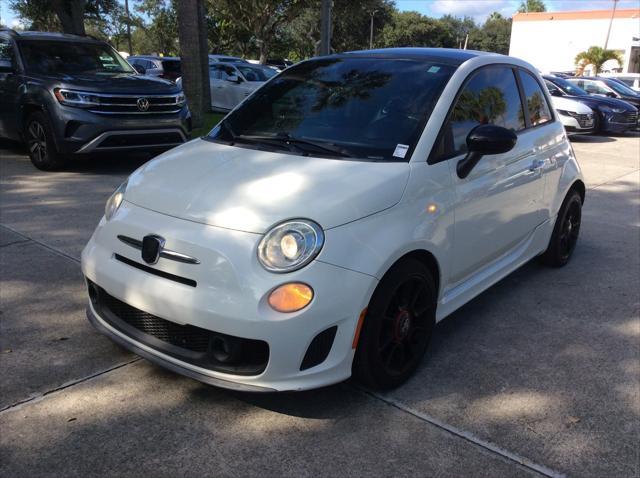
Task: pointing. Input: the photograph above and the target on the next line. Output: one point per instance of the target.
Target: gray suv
(65, 95)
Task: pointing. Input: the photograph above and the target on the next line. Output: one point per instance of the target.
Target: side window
(6, 51)
(553, 89)
(539, 111)
(215, 72)
(491, 96)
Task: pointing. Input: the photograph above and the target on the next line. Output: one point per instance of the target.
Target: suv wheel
(40, 144)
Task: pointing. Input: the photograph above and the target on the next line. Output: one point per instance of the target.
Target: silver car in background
(231, 83)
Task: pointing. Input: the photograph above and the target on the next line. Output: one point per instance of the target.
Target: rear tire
(40, 143)
(565, 232)
(397, 327)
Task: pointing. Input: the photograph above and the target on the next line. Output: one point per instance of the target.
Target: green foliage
(160, 34)
(495, 35)
(532, 6)
(415, 29)
(596, 56)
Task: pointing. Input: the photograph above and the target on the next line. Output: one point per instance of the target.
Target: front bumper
(230, 298)
(619, 122)
(81, 131)
(579, 124)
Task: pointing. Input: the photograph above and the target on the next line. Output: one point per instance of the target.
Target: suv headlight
(610, 109)
(114, 201)
(180, 99)
(76, 98)
(290, 245)
(566, 113)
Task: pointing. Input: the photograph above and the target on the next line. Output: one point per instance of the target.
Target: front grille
(188, 343)
(185, 336)
(631, 116)
(128, 104)
(132, 139)
(585, 120)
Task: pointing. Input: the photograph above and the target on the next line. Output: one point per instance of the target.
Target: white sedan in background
(231, 83)
(576, 117)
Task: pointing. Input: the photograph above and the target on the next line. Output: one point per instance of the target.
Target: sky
(478, 9)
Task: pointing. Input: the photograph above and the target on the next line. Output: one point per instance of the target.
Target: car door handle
(536, 165)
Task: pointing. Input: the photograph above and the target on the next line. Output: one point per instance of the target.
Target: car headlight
(290, 245)
(180, 99)
(79, 99)
(609, 109)
(114, 201)
(566, 113)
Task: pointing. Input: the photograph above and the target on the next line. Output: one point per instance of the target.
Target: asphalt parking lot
(540, 375)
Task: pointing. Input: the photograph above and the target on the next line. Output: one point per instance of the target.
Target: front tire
(565, 232)
(40, 143)
(397, 327)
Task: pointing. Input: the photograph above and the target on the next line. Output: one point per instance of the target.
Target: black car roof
(28, 35)
(444, 55)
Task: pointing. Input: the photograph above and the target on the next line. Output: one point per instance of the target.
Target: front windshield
(367, 108)
(253, 73)
(620, 88)
(50, 57)
(569, 88)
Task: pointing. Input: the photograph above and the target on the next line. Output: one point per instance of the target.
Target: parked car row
(604, 106)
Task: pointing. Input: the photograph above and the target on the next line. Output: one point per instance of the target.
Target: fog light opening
(93, 292)
(226, 349)
(290, 297)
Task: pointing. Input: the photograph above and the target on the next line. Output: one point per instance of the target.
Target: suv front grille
(188, 343)
(631, 116)
(129, 104)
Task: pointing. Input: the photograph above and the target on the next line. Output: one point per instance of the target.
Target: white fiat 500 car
(331, 219)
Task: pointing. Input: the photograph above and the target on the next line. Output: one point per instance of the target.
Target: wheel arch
(425, 257)
(580, 187)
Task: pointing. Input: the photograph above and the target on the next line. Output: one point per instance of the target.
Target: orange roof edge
(576, 15)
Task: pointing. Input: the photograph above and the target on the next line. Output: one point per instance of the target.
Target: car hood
(595, 101)
(251, 190)
(570, 104)
(124, 83)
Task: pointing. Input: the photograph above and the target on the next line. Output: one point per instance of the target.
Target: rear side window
(6, 51)
(539, 111)
(491, 96)
(172, 66)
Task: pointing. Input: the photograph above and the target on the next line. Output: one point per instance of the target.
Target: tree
(414, 29)
(162, 29)
(66, 15)
(195, 63)
(456, 30)
(596, 57)
(262, 18)
(531, 6)
(494, 35)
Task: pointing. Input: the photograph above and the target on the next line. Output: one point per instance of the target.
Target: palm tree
(595, 56)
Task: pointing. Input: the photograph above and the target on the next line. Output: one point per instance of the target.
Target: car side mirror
(482, 140)
(234, 79)
(6, 66)
(140, 69)
(611, 94)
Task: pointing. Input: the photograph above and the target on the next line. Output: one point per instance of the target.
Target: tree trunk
(195, 64)
(264, 49)
(71, 15)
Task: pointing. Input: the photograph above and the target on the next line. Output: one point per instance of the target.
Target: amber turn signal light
(290, 297)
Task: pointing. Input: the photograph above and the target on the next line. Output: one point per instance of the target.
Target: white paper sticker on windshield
(434, 69)
(401, 150)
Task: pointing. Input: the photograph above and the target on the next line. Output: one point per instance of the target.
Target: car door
(500, 203)
(9, 84)
(216, 84)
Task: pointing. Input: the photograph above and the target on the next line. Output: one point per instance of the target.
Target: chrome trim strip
(135, 112)
(164, 253)
(125, 95)
(93, 144)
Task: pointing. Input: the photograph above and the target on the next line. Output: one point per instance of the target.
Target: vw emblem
(152, 246)
(143, 104)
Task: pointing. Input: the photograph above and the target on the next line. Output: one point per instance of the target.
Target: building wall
(550, 41)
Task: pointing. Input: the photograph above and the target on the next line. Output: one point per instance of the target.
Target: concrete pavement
(539, 375)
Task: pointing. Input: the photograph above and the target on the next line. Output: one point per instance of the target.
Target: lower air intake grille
(319, 348)
(188, 343)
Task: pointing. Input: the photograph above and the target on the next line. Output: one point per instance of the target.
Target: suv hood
(123, 83)
(251, 190)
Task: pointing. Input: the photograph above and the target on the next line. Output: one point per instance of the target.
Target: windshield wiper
(288, 140)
